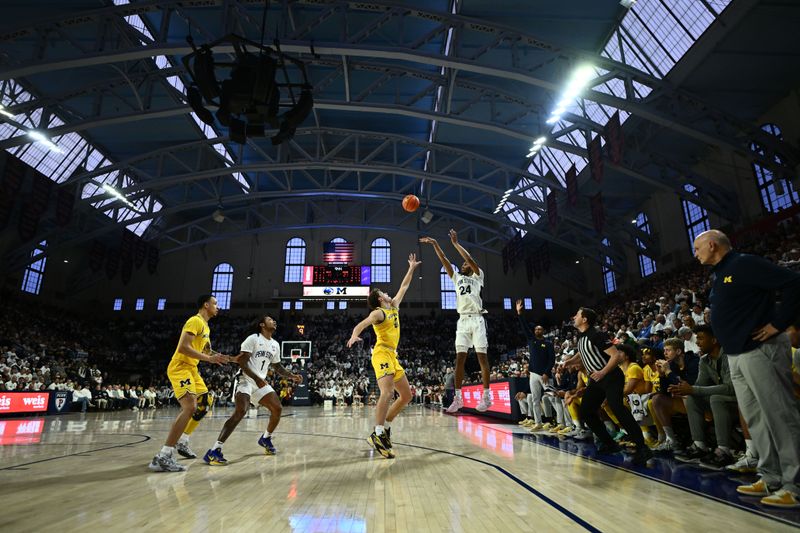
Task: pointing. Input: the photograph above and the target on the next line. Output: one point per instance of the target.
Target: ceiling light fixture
(116, 194)
(577, 82)
(5, 113)
(42, 138)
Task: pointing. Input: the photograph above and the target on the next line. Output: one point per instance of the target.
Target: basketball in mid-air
(410, 203)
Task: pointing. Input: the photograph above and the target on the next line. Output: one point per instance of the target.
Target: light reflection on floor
(494, 440)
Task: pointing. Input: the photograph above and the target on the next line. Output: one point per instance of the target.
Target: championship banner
(97, 254)
(552, 210)
(65, 204)
(139, 252)
(614, 139)
(596, 159)
(571, 177)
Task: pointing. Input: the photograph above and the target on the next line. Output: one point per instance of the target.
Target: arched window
(696, 217)
(222, 285)
(776, 194)
(647, 266)
(381, 263)
(609, 276)
(34, 273)
(448, 290)
(295, 259)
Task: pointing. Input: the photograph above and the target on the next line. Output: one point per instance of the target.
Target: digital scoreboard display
(345, 275)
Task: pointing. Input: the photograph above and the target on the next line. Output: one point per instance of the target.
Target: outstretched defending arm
(401, 292)
(448, 266)
(375, 317)
(464, 253)
(186, 349)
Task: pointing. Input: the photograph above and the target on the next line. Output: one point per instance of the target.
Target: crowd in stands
(677, 379)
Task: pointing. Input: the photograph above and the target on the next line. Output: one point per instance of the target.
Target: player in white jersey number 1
(259, 352)
(471, 328)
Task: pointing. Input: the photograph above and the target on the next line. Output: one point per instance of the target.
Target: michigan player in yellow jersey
(385, 320)
(190, 390)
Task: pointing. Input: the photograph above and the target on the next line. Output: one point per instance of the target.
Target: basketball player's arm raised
(401, 292)
(463, 252)
(448, 266)
(375, 317)
(186, 349)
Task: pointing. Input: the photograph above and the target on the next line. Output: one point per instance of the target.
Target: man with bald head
(749, 324)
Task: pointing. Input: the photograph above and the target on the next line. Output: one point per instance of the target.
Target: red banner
(552, 210)
(598, 212)
(596, 159)
(571, 177)
(23, 402)
(614, 139)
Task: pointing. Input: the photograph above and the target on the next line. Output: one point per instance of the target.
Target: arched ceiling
(440, 98)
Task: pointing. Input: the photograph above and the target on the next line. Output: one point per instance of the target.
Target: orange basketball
(410, 203)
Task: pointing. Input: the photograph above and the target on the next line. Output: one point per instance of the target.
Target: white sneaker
(484, 404)
(165, 463)
(183, 449)
(746, 465)
(457, 404)
(666, 446)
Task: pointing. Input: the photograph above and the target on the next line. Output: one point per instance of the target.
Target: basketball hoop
(295, 356)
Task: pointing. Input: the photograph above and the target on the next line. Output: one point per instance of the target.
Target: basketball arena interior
(399, 265)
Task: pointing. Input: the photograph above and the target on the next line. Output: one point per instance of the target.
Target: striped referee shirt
(592, 346)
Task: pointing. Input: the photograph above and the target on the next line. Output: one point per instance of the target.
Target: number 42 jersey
(263, 352)
(468, 293)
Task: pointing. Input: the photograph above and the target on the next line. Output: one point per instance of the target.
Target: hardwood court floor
(89, 472)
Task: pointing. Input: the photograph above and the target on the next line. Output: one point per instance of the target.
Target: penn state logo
(327, 290)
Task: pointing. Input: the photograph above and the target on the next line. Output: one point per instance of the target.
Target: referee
(601, 358)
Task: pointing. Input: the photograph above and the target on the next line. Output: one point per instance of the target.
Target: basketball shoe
(183, 449)
(484, 404)
(165, 463)
(380, 445)
(457, 404)
(214, 457)
(266, 443)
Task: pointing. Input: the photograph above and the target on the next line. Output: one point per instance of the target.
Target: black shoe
(717, 460)
(379, 445)
(642, 455)
(692, 455)
(388, 433)
(608, 449)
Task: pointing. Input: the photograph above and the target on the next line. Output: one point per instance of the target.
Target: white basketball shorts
(246, 386)
(471, 332)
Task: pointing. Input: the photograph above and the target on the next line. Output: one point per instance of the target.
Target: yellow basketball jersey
(388, 331)
(200, 342)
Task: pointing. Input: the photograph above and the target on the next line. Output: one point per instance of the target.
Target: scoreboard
(336, 275)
